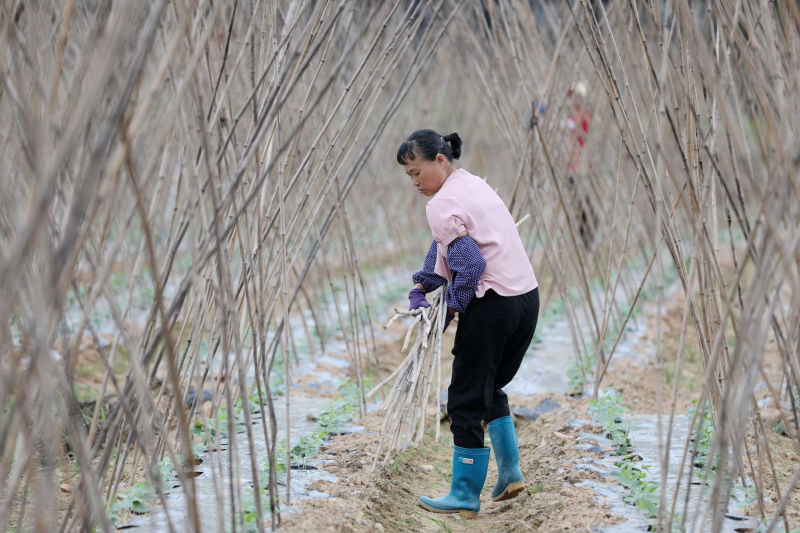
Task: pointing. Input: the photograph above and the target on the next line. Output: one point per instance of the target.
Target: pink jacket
(465, 203)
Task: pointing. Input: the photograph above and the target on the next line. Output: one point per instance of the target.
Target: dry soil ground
(385, 498)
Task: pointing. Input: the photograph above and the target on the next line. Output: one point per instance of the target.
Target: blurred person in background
(577, 125)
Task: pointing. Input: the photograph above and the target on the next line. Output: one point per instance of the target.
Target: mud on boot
(469, 475)
(506, 453)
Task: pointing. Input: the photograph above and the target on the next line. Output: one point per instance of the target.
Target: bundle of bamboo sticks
(406, 404)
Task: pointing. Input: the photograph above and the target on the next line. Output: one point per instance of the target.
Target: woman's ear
(440, 158)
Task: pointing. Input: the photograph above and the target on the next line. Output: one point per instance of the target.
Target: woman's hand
(416, 298)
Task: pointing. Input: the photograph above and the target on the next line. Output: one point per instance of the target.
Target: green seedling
(704, 436)
(223, 419)
(248, 509)
(334, 414)
(198, 430)
(441, 523)
(167, 474)
(608, 411)
(277, 381)
(307, 448)
(538, 488)
(744, 496)
(135, 500)
(402, 457)
(642, 493)
(253, 399)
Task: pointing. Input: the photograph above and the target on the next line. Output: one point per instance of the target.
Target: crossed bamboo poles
(214, 153)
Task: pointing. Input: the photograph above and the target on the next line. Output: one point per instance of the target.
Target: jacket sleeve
(426, 277)
(466, 265)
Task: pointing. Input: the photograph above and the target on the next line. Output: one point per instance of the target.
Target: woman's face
(427, 176)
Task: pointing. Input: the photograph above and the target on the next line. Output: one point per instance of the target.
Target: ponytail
(455, 144)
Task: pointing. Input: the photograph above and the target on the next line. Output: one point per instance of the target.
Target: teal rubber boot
(469, 475)
(506, 453)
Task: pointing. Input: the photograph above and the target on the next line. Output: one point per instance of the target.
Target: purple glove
(447, 319)
(416, 299)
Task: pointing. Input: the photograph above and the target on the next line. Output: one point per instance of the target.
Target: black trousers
(493, 334)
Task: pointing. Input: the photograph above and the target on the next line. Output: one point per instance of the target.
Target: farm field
(206, 243)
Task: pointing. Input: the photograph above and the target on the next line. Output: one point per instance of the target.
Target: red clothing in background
(578, 123)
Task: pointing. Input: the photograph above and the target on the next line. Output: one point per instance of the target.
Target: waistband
(490, 295)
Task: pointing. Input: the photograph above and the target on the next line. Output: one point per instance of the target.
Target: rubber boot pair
(469, 473)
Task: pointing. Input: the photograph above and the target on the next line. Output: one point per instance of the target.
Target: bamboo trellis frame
(222, 117)
(211, 153)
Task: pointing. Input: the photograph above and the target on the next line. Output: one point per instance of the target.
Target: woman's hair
(427, 144)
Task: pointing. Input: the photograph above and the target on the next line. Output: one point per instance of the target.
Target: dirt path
(386, 498)
(557, 456)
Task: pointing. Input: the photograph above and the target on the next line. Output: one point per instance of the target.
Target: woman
(491, 285)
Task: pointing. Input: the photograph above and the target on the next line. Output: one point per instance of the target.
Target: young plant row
(139, 498)
(609, 412)
(336, 413)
